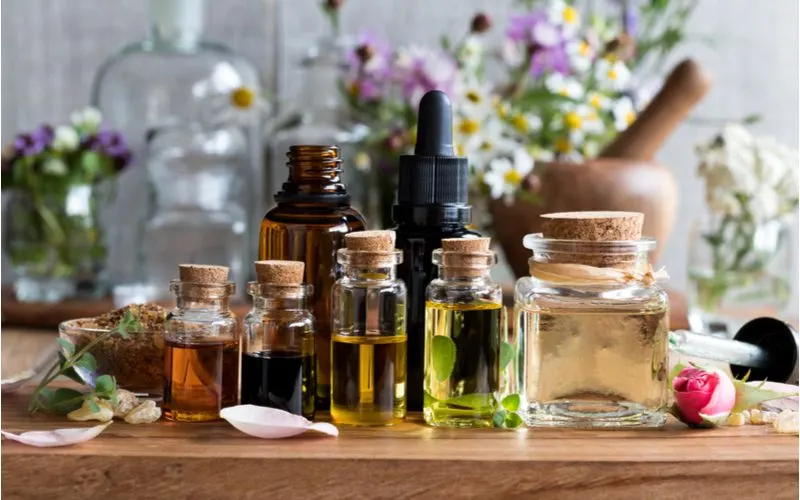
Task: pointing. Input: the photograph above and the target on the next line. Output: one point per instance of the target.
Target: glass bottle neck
(186, 302)
(177, 24)
(262, 304)
(371, 273)
(314, 175)
(458, 275)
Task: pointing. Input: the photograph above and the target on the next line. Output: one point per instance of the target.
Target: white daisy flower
(564, 15)
(87, 118)
(65, 138)
(580, 55)
(623, 112)
(564, 85)
(598, 101)
(505, 175)
(470, 53)
(612, 74)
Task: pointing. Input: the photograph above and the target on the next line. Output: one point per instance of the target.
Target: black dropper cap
(433, 176)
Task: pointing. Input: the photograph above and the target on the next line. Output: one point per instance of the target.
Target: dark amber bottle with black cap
(431, 205)
(308, 224)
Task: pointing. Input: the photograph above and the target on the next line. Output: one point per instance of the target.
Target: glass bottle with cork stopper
(592, 324)
(465, 328)
(201, 347)
(309, 223)
(278, 362)
(368, 353)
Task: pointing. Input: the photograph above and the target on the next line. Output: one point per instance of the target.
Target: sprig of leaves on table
(505, 407)
(64, 400)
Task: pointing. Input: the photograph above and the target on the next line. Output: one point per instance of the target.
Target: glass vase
(55, 243)
(738, 269)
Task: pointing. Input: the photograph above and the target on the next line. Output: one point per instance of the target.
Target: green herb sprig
(63, 400)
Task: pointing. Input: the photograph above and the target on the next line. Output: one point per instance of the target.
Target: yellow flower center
(468, 126)
(570, 15)
(354, 89)
(630, 116)
(473, 96)
(562, 145)
(486, 146)
(595, 101)
(612, 74)
(512, 177)
(502, 110)
(564, 91)
(573, 120)
(243, 98)
(520, 123)
(583, 49)
(460, 150)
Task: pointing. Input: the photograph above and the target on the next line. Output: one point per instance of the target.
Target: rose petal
(57, 437)
(271, 423)
(690, 404)
(723, 396)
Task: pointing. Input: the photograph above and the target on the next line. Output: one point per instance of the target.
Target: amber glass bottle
(309, 224)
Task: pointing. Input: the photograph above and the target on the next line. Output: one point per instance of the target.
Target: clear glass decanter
(171, 78)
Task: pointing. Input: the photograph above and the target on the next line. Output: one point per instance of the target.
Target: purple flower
(110, 143)
(545, 42)
(630, 21)
(368, 68)
(29, 144)
(419, 70)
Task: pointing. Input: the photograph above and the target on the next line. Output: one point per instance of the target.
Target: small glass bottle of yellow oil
(201, 346)
(368, 346)
(465, 328)
(278, 362)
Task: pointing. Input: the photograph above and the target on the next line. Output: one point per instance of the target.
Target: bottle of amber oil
(368, 347)
(278, 362)
(201, 347)
(464, 330)
(312, 215)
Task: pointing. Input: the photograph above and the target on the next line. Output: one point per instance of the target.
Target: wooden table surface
(167, 460)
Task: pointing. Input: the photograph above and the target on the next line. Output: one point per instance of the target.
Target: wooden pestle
(683, 89)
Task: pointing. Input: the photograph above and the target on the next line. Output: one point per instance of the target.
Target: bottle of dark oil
(368, 360)
(201, 346)
(312, 215)
(464, 330)
(278, 358)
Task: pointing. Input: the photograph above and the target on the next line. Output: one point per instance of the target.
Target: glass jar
(201, 346)
(368, 345)
(592, 335)
(197, 175)
(278, 361)
(465, 326)
(737, 270)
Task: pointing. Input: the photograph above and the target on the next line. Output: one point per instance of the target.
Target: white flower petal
(57, 437)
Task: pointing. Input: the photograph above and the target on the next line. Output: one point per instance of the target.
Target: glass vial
(201, 347)
(278, 362)
(309, 224)
(464, 329)
(592, 325)
(368, 348)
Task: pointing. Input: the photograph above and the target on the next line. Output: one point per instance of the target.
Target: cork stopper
(466, 257)
(593, 226)
(280, 272)
(202, 274)
(370, 248)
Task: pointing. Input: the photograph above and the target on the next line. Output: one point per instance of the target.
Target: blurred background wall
(51, 49)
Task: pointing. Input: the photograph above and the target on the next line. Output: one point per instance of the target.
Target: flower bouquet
(561, 85)
(53, 237)
(739, 255)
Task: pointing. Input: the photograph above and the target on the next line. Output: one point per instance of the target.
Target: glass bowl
(137, 363)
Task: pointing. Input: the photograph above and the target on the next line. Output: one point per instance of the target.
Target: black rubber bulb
(435, 125)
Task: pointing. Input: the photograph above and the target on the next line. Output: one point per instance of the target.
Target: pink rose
(703, 392)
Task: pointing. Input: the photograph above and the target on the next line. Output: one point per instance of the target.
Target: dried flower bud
(624, 47)
(481, 23)
(365, 52)
(334, 4)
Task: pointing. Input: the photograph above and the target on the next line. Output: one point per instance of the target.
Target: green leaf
(511, 402)
(64, 401)
(507, 352)
(66, 346)
(87, 361)
(512, 421)
(499, 418)
(429, 400)
(444, 357)
(94, 406)
(677, 369)
(105, 385)
(476, 401)
(71, 374)
(748, 396)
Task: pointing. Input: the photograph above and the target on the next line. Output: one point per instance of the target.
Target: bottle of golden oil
(308, 224)
(201, 346)
(368, 348)
(464, 330)
(592, 324)
(278, 362)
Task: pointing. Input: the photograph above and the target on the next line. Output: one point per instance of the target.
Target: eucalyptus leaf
(444, 357)
(512, 421)
(507, 352)
(429, 400)
(511, 402)
(87, 361)
(71, 374)
(66, 346)
(476, 401)
(499, 418)
(63, 401)
(93, 406)
(105, 385)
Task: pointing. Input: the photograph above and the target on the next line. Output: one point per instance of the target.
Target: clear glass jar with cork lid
(591, 324)
(201, 347)
(464, 330)
(278, 361)
(368, 346)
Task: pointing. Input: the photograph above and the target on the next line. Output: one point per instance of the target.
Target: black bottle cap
(782, 344)
(433, 175)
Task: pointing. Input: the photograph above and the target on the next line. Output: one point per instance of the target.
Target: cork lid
(466, 245)
(203, 274)
(593, 226)
(280, 272)
(466, 257)
(370, 248)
